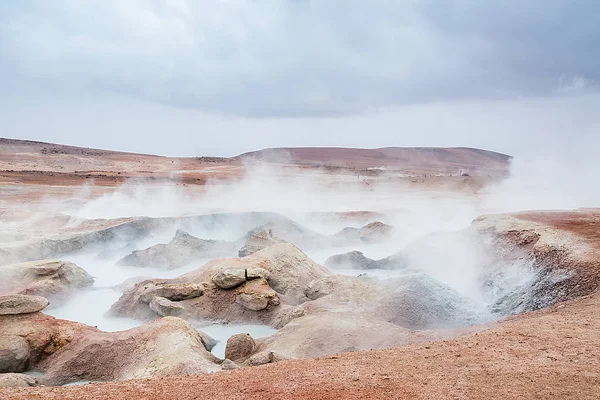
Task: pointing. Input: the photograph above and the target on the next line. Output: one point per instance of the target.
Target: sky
(221, 77)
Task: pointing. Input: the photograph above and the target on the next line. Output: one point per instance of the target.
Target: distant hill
(418, 159)
(31, 155)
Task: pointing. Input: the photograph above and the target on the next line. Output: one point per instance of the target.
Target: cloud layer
(300, 57)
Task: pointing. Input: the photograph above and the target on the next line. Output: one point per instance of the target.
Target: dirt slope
(28, 158)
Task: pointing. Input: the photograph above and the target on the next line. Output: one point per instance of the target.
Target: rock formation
(415, 301)
(68, 351)
(370, 233)
(48, 278)
(181, 250)
(324, 334)
(239, 346)
(17, 380)
(357, 260)
(14, 304)
(258, 288)
(257, 240)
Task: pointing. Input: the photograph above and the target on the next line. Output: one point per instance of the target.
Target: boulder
(208, 341)
(181, 250)
(48, 278)
(257, 240)
(239, 346)
(252, 302)
(170, 291)
(14, 353)
(323, 286)
(165, 307)
(17, 380)
(256, 295)
(290, 270)
(229, 278)
(21, 304)
(259, 359)
(68, 351)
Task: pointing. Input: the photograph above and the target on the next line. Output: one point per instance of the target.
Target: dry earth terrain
(545, 345)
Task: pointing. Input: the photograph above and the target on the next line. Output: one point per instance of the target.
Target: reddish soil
(584, 222)
(554, 353)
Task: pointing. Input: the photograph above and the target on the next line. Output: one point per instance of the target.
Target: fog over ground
(219, 78)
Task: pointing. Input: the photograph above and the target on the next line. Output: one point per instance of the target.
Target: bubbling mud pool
(91, 306)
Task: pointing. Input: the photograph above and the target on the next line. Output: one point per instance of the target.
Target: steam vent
(299, 199)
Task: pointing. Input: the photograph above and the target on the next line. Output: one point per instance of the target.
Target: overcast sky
(221, 77)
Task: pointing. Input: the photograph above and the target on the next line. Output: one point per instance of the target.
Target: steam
(425, 223)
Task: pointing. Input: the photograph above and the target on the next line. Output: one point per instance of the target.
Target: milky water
(90, 306)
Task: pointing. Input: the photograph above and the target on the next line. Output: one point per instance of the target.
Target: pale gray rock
(14, 304)
(165, 307)
(229, 278)
(14, 353)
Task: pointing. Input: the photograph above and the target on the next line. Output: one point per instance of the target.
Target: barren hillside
(421, 159)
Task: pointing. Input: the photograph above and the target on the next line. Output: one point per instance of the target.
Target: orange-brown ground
(554, 353)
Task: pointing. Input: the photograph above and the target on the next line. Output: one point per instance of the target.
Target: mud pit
(309, 262)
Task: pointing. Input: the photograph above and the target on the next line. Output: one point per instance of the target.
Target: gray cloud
(561, 128)
(300, 57)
